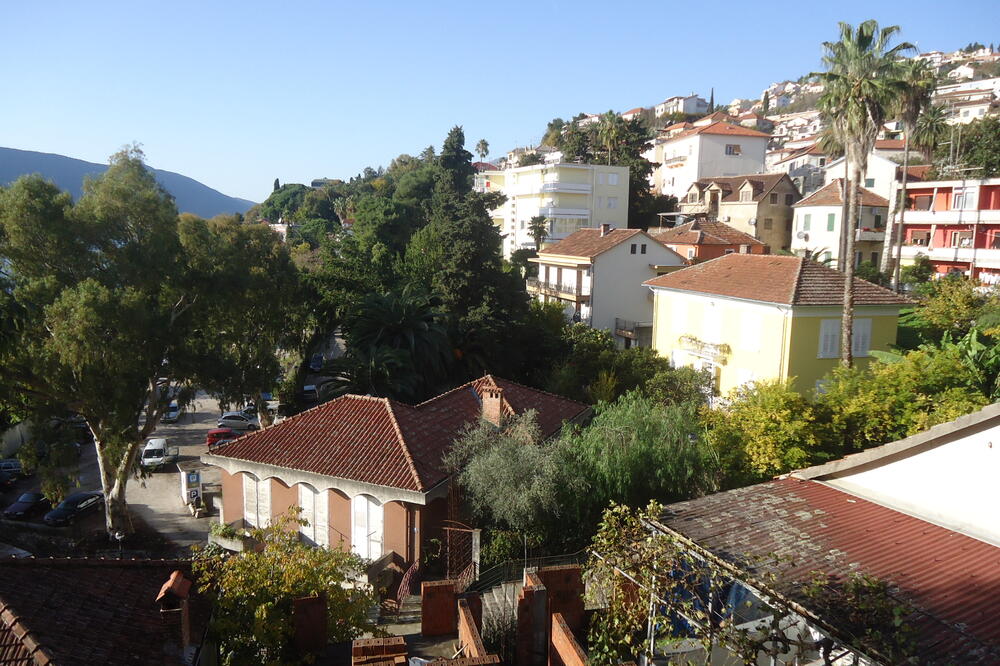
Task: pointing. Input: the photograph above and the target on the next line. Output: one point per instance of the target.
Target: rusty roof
(704, 232)
(830, 195)
(386, 442)
(774, 279)
(800, 527)
(588, 243)
(91, 611)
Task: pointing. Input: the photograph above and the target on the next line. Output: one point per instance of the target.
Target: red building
(956, 224)
(700, 240)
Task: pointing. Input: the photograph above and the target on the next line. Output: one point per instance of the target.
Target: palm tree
(861, 85)
(609, 131)
(538, 227)
(932, 129)
(482, 149)
(920, 82)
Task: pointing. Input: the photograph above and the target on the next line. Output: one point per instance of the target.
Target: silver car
(238, 421)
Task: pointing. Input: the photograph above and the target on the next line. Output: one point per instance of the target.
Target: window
(961, 239)
(612, 179)
(730, 251)
(869, 182)
(861, 337)
(875, 258)
(922, 202)
(919, 237)
(600, 178)
(831, 221)
(746, 195)
(878, 221)
(692, 197)
(632, 249)
(773, 199)
(768, 223)
(642, 249)
(612, 202)
(829, 338)
(858, 258)
(789, 199)
(964, 198)
(822, 161)
(806, 219)
(690, 253)
(733, 149)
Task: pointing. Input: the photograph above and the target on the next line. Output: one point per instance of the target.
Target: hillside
(68, 174)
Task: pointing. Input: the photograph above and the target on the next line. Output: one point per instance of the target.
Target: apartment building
(569, 196)
(818, 220)
(956, 224)
(691, 105)
(805, 166)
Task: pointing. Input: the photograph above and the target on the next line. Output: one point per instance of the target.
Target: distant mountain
(68, 174)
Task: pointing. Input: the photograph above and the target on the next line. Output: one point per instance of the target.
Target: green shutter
(830, 220)
(805, 221)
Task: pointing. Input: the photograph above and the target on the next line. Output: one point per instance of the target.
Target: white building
(569, 196)
(818, 219)
(691, 105)
(806, 167)
(597, 276)
(882, 176)
(704, 151)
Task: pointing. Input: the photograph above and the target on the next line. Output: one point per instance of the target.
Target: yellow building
(750, 317)
(570, 196)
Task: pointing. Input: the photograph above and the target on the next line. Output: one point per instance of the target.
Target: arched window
(366, 527)
(315, 510)
(256, 501)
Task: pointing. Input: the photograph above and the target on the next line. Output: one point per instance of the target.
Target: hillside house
(818, 223)
(700, 240)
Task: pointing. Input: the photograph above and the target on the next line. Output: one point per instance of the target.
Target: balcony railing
(626, 328)
(674, 160)
(534, 285)
(717, 352)
(952, 216)
(870, 235)
(984, 257)
(568, 188)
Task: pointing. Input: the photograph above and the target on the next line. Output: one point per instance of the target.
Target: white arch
(366, 526)
(256, 500)
(315, 506)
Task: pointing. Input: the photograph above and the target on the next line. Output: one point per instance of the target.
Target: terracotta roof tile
(794, 528)
(889, 144)
(385, 442)
(588, 243)
(762, 184)
(703, 232)
(773, 279)
(720, 128)
(91, 611)
(830, 195)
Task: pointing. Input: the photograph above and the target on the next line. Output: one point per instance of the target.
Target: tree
(482, 149)
(456, 161)
(931, 130)
(112, 302)
(862, 83)
(711, 101)
(553, 132)
(609, 131)
(980, 147)
(917, 273)
(952, 305)
(276, 185)
(919, 82)
(253, 594)
(538, 227)
(283, 203)
(766, 103)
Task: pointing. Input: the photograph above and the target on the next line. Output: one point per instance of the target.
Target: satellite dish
(802, 235)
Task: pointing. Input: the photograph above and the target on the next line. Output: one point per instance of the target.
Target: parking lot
(154, 501)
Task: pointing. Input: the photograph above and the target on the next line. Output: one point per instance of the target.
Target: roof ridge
(538, 390)
(24, 635)
(797, 285)
(402, 442)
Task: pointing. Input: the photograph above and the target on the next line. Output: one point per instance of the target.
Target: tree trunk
(262, 411)
(114, 479)
(900, 230)
(844, 212)
(894, 227)
(847, 321)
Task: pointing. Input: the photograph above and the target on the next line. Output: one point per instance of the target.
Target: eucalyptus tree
(111, 303)
(914, 99)
(861, 85)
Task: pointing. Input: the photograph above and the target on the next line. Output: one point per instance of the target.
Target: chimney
(605, 229)
(492, 398)
(173, 598)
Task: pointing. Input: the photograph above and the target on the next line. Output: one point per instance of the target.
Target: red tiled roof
(637, 109)
(916, 172)
(720, 128)
(588, 243)
(385, 442)
(762, 183)
(795, 528)
(90, 611)
(703, 232)
(813, 149)
(773, 279)
(889, 144)
(484, 166)
(830, 195)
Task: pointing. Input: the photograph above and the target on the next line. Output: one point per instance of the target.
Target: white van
(157, 453)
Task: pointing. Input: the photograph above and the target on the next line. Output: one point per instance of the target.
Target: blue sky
(236, 94)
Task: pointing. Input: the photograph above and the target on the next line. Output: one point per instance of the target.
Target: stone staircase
(501, 600)
(409, 612)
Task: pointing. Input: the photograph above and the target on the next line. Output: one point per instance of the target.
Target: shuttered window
(829, 338)
(307, 501)
(250, 500)
(831, 220)
(861, 337)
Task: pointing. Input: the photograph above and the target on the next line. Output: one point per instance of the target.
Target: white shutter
(829, 338)
(861, 337)
(307, 501)
(250, 500)
(375, 512)
(359, 525)
(264, 502)
(322, 518)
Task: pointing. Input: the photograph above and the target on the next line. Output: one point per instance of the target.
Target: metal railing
(513, 570)
(411, 576)
(628, 328)
(554, 287)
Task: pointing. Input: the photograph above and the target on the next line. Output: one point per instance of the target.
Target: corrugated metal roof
(952, 580)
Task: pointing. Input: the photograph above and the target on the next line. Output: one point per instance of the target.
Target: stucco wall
(232, 497)
(340, 520)
(282, 498)
(617, 281)
(713, 160)
(394, 528)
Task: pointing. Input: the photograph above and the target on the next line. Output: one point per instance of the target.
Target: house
(96, 611)
(746, 317)
(759, 205)
(818, 219)
(882, 176)
(716, 149)
(595, 275)
(690, 105)
(805, 166)
(700, 240)
(569, 196)
(632, 113)
(962, 72)
(918, 514)
(367, 472)
(956, 224)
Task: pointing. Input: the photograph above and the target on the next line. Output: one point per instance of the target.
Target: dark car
(6, 480)
(316, 362)
(218, 434)
(73, 507)
(26, 504)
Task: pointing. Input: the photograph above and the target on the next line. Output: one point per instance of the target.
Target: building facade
(569, 196)
(690, 105)
(700, 240)
(818, 220)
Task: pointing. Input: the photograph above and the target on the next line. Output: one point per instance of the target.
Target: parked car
(74, 507)
(13, 467)
(218, 435)
(172, 413)
(157, 453)
(316, 362)
(6, 480)
(238, 421)
(26, 504)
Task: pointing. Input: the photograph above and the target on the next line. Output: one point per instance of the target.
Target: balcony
(557, 290)
(629, 329)
(984, 257)
(870, 235)
(986, 216)
(680, 159)
(715, 352)
(567, 188)
(551, 211)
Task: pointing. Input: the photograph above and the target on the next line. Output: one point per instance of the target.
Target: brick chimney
(492, 397)
(605, 229)
(173, 598)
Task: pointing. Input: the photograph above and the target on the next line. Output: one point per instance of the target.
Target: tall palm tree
(482, 149)
(920, 82)
(931, 130)
(609, 131)
(861, 85)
